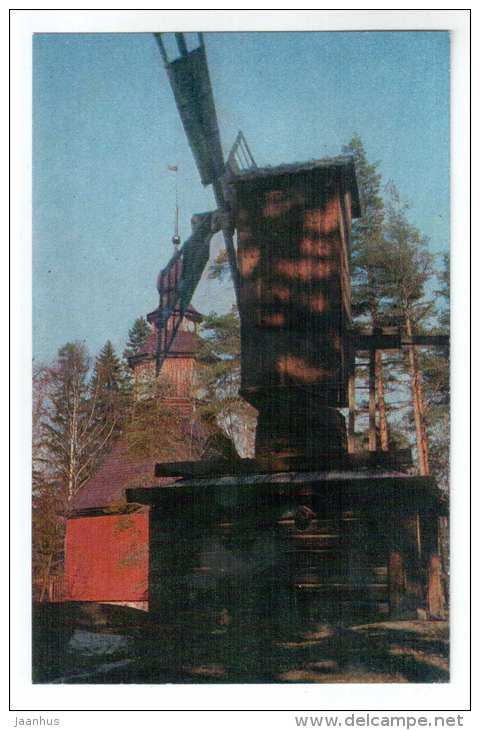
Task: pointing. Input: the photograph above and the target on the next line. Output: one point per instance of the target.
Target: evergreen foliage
(153, 429)
(220, 403)
(220, 269)
(435, 368)
(407, 266)
(110, 388)
(137, 336)
(369, 308)
(367, 240)
(392, 273)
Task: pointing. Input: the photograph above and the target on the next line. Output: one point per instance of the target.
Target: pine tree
(435, 367)
(220, 404)
(154, 428)
(137, 336)
(408, 267)
(443, 293)
(367, 236)
(367, 245)
(109, 386)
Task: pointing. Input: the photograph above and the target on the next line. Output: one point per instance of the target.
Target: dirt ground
(109, 651)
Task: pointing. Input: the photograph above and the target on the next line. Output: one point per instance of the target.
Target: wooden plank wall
(337, 565)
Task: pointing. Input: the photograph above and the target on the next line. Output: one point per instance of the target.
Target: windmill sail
(195, 255)
(190, 82)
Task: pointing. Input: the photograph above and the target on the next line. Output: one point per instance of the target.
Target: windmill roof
(340, 162)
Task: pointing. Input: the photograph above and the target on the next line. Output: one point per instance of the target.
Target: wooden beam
(373, 490)
(436, 603)
(182, 46)
(427, 340)
(435, 593)
(406, 576)
(391, 459)
(363, 342)
(372, 405)
(351, 411)
(396, 583)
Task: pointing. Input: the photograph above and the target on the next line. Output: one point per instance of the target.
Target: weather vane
(176, 237)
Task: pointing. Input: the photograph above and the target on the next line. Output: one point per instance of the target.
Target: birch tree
(47, 521)
(82, 420)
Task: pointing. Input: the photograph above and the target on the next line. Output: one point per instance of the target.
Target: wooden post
(351, 409)
(396, 582)
(372, 406)
(406, 592)
(436, 604)
(418, 406)
(435, 593)
(382, 415)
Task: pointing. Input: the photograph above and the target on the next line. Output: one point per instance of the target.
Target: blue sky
(105, 127)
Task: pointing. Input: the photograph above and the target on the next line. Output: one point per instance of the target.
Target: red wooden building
(107, 540)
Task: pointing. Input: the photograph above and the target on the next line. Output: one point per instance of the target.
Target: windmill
(190, 82)
(301, 350)
(292, 282)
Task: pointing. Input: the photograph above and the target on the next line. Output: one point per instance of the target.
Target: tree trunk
(418, 406)
(376, 388)
(382, 411)
(46, 577)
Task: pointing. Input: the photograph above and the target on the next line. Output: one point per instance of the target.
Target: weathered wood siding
(178, 372)
(293, 253)
(333, 565)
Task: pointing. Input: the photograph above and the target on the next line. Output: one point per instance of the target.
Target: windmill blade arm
(179, 279)
(185, 268)
(196, 252)
(190, 82)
